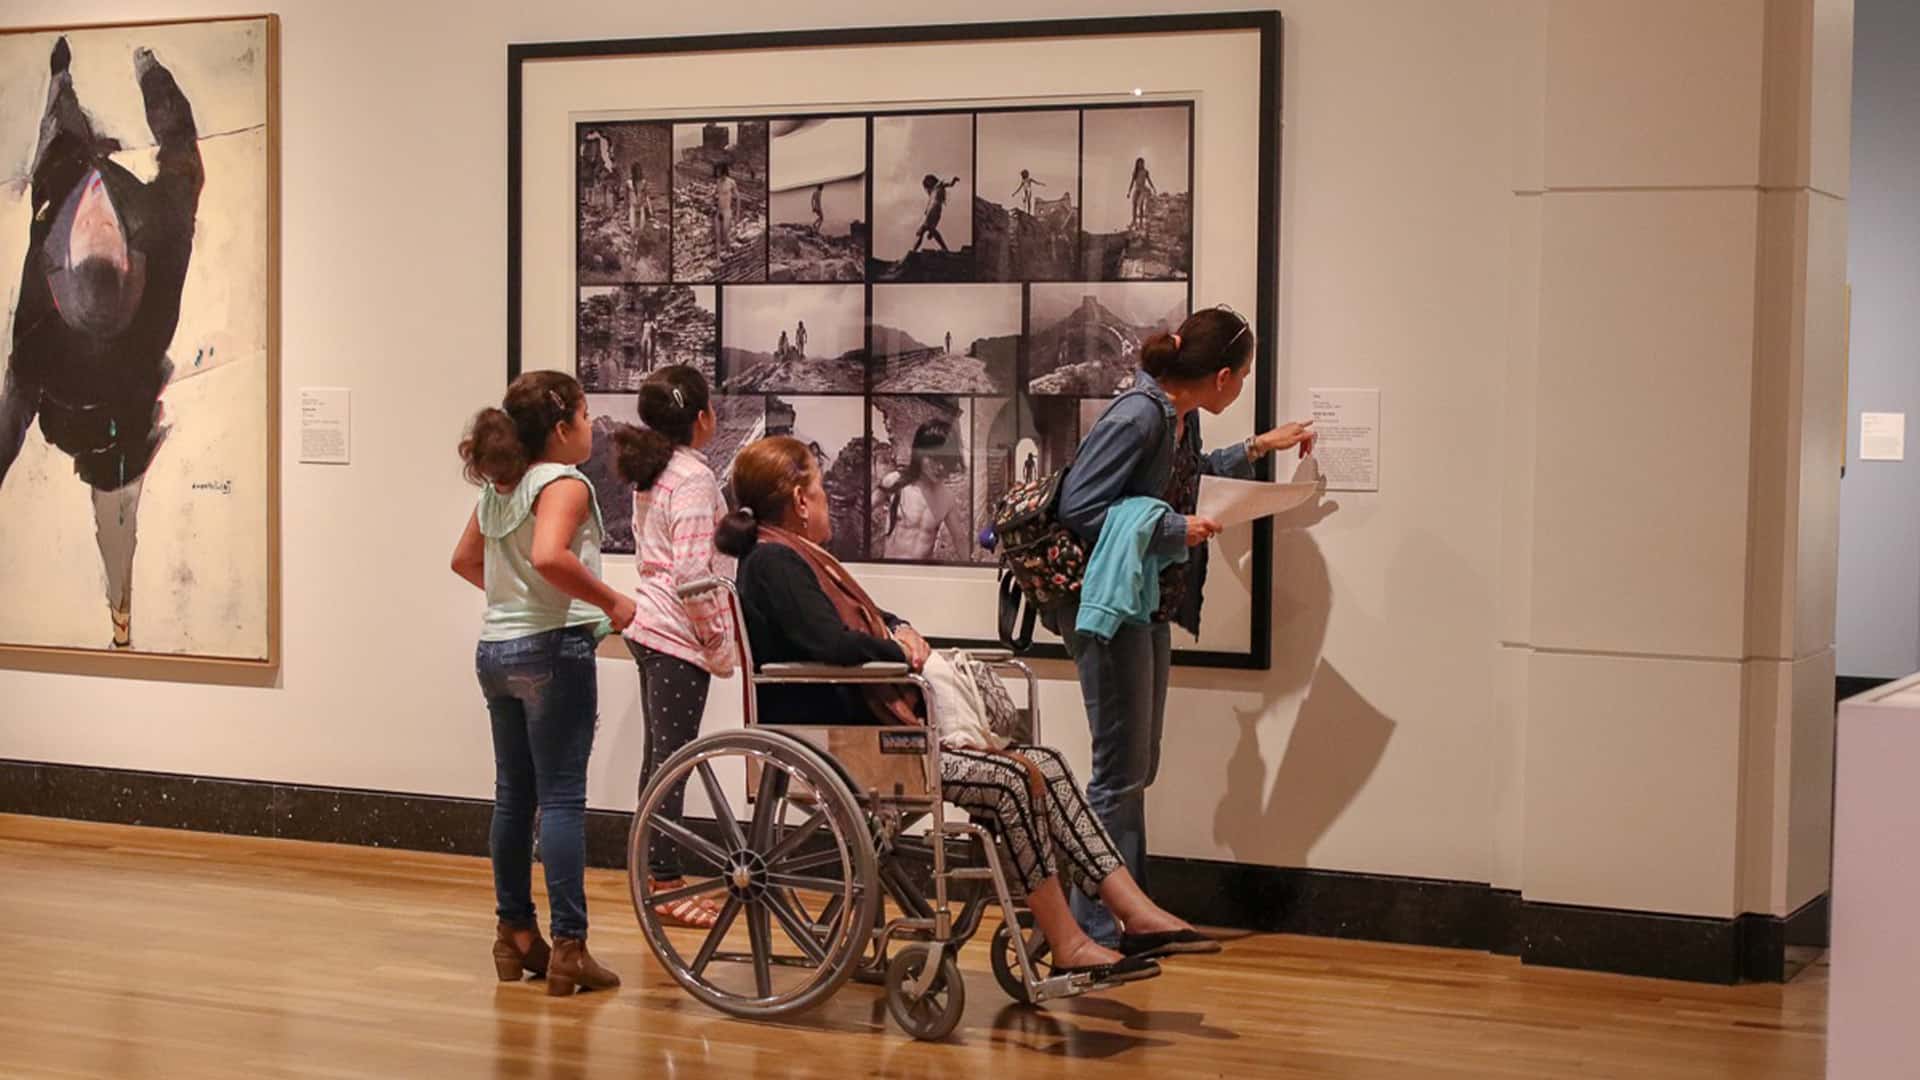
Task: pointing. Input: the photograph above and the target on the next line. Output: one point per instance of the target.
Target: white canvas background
(200, 574)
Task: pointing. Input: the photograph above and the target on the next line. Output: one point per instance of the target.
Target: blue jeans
(543, 696)
(1123, 683)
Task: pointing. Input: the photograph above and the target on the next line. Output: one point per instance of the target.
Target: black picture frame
(1269, 26)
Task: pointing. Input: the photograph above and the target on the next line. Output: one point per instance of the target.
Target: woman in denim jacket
(1148, 443)
(532, 544)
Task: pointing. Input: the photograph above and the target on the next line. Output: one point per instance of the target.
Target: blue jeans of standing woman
(543, 696)
(1123, 683)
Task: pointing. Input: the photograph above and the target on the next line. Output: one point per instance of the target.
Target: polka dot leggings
(673, 696)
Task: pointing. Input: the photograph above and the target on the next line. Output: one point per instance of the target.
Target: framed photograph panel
(933, 253)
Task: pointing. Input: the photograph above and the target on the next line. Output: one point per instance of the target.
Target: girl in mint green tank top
(532, 544)
(533, 541)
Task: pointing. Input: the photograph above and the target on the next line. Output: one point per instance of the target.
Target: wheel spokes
(799, 863)
(722, 809)
(831, 910)
(769, 803)
(800, 881)
(760, 934)
(798, 905)
(801, 834)
(687, 892)
(796, 928)
(692, 841)
(719, 932)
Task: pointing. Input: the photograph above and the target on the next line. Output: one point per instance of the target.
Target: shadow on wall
(1338, 737)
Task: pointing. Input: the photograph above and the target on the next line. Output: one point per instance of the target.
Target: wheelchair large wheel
(799, 856)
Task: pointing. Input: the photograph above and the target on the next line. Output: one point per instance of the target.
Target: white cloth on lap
(960, 708)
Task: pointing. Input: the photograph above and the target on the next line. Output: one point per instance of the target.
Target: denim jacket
(1129, 451)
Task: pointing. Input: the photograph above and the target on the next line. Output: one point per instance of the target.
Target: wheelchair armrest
(877, 672)
(991, 656)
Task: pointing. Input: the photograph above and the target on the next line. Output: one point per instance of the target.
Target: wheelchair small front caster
(934, 1014)
(1006, 962)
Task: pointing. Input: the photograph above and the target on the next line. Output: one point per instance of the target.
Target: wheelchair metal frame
(761, 867)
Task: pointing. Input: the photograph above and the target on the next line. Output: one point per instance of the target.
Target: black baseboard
(1503, 917)
(1320, 903)
(1326, 903)
(1693, 948)
(1774, 950)
(1846, 686)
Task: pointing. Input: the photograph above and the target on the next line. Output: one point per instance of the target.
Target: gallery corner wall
(1879, 630)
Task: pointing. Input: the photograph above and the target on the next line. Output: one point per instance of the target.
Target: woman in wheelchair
(802, 606)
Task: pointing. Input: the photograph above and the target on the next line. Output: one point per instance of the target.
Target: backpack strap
(1016, 624)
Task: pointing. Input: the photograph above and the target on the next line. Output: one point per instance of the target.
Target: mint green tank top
(520, 600)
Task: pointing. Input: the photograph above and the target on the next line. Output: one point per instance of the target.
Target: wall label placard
(1346, 425)
(1883, 436)
(326, 426)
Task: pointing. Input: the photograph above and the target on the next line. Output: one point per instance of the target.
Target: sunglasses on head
(1245, 326)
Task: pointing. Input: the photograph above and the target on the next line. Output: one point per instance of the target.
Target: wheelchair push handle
(705, 585)
(877, 671)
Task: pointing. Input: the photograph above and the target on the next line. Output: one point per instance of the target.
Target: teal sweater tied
(1122, 584)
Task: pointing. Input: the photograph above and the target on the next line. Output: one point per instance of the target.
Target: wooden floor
(136, 953)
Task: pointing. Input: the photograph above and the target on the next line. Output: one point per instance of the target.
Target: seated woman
(802, 606)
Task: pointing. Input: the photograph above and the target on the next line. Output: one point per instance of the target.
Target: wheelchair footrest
(1058, 987)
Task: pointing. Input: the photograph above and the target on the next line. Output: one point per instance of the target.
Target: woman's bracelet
(1254, 450)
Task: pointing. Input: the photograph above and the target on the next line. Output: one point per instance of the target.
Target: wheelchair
(825, 837)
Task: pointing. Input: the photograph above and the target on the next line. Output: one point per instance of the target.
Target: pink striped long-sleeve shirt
(673, 527)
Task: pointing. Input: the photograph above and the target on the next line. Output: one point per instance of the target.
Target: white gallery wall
(1377, 743)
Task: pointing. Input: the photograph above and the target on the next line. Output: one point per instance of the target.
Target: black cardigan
(791, 621)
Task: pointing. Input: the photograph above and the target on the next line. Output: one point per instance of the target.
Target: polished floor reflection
(139, 952)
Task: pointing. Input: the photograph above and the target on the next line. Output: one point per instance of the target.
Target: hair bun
(737, 533)
(1158, 353)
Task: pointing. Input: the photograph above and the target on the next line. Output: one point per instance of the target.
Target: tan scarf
(857, 611)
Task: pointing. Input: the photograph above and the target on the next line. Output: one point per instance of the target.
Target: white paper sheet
(1233, 502)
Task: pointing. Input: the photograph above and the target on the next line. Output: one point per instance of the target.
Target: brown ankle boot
(574, 966)
(509, 962)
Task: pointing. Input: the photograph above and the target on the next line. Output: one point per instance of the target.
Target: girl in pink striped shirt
(679, 646)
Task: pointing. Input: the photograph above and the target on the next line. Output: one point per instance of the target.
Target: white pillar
(1673, 437)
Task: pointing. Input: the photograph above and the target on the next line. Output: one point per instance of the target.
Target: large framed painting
(138, 448)
(931, 253)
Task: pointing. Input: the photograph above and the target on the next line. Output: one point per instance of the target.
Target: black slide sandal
(1125, 970)
(1167, 943)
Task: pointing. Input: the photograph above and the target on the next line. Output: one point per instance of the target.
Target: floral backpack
(1042, 561)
